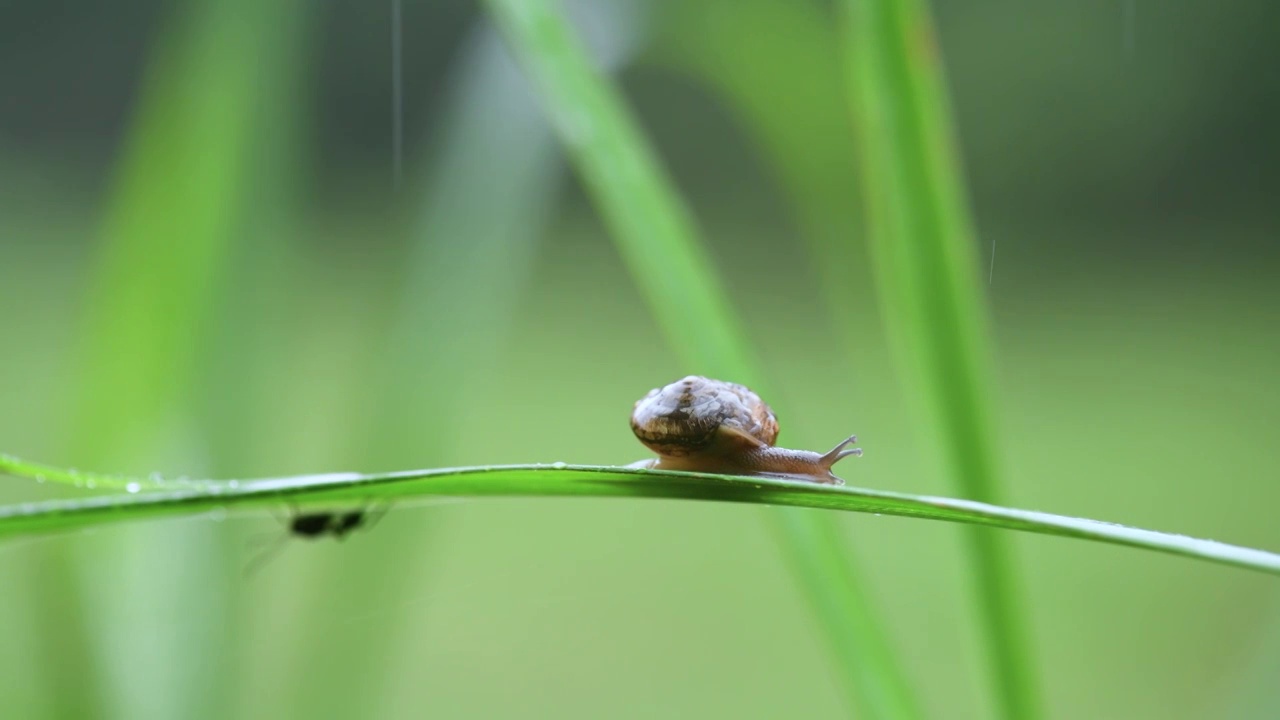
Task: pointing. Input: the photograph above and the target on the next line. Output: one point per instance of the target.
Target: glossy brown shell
(684, 417)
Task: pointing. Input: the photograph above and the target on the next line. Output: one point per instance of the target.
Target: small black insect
(319, 524)
(315, 525)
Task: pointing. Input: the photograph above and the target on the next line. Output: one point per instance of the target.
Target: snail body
(704, 425)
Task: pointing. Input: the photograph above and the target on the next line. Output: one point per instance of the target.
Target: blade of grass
(173, 210)
(776, 65)
(922, 240)
(815, 546)
(559, 480)
(654, 230)
(478, 218)
(482, 210)
(241, 375)
(657, 238)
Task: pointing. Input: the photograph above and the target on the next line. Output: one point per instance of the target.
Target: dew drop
(559, 465)
(132, 487)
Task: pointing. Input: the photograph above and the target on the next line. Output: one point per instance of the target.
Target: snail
(706, 425)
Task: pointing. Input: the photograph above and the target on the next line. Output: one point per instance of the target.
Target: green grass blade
(171, 212)
(655, 231)
(657, 237)
(557, 480)
(167, 241)
(242, 362)
(814, 546)
(777, 67)
(923, 243)
(479, 214)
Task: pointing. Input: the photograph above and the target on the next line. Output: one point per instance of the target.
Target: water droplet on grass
(132, 487)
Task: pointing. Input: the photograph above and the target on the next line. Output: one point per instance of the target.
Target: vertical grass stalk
(656, 235)
(172, 213)
(923, 243)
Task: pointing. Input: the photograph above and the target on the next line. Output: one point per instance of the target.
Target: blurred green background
(213, 262)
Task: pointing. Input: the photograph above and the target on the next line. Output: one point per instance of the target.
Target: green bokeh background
(209, 267)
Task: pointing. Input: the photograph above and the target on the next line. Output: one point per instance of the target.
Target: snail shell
(706, 425)
(683, 418)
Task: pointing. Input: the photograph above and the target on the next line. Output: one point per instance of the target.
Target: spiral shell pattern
(684, 417)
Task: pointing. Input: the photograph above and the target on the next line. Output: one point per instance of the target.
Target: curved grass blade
(776, 66)
(922, 242)
(654, 229)
(657, 238)
(583, 481)
(480, 210)
(172, 209)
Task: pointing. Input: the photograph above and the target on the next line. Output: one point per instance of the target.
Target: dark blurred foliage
(1092, 117)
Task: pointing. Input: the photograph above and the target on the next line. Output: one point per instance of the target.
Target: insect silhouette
(315, 525)
(318, 524)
